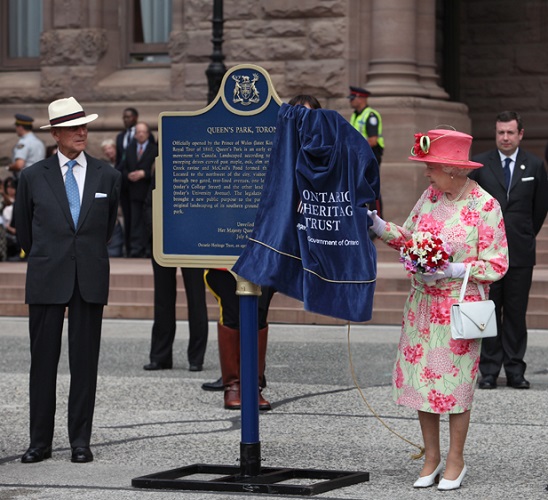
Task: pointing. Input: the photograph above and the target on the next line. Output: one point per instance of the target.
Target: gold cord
(414, 456)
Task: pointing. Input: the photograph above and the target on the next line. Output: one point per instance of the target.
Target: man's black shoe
(214, 386)
(195, 368)
(155, 365)
(33, 455)
(517, 382)
(81, 455)
(488, 382)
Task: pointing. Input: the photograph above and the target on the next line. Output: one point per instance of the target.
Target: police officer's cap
(23, 119)
(358, 92)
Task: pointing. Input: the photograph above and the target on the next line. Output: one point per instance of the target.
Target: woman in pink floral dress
(433, 373)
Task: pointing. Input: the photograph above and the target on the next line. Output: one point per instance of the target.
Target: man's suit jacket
(120, 151)
(138, 190)
(525, 207)
(58, 253)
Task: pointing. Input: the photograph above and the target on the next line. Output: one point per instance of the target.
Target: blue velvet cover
(310, 240)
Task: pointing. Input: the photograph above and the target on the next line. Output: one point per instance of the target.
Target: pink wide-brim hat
(445, 147)
(67, 113)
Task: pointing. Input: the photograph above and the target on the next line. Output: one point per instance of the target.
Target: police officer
(366, 120)
(29, 149)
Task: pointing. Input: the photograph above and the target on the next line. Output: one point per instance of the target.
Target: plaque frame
(203, 260)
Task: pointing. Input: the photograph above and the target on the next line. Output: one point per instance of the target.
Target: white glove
(457, 270)
(378, 224)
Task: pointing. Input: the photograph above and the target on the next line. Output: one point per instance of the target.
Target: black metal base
(269, 480)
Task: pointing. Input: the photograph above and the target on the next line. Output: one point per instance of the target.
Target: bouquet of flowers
(425, 253)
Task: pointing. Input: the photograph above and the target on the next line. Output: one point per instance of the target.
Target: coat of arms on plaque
(245, 91)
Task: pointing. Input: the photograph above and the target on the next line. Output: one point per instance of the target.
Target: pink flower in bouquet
(425, 253)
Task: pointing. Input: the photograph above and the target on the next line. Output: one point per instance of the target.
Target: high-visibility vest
(359, 122)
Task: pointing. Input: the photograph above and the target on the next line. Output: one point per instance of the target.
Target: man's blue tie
(506, 170)
(73, 194)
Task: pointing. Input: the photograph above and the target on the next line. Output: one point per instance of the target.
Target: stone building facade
(427, 62)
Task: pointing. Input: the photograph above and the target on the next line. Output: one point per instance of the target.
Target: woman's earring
(452, 177)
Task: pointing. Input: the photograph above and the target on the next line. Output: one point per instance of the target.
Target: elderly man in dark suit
(65, 213)
(518, 181)
(137, 168)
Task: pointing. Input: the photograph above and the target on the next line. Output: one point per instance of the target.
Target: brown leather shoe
(232, 397)
(263, 403)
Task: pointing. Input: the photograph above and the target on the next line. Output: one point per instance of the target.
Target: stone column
(403, 82)
(393, 68)
(426, 49)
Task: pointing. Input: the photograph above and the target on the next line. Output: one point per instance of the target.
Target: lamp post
(216, 69)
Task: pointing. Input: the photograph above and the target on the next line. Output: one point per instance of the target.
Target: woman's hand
(378, 224)
(457, 270)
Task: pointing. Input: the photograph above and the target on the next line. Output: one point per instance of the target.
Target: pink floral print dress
(434, 373)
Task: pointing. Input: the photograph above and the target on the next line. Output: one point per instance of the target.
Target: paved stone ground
(147, 422)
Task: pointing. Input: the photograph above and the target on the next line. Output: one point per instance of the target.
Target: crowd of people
(62, 209)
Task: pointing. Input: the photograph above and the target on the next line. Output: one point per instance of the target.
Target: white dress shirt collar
(513, 156)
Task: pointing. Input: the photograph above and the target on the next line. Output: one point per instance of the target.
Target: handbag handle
(465, 282)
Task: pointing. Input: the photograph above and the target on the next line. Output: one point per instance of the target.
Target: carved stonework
(178, 44)
(304, 8)
(73, 46)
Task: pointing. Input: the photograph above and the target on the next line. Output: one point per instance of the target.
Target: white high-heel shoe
(446, 484)
(426, 481)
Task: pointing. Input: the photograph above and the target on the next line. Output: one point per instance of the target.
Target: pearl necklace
(459, 195)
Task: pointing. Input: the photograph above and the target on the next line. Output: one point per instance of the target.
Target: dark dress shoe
(156, 365)
(195, 368)
(81, 455)
(33, 455)
(219, 386)
(517, 382)
(214, 386)
(488, 382)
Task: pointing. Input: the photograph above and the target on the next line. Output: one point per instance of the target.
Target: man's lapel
(496, 168)
(519, 172)
(54, 177)
(93, 174)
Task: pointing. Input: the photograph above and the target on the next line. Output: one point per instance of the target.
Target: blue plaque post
(250, 446)
(209, 177)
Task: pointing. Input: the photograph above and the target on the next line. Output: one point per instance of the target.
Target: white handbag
(473, 320)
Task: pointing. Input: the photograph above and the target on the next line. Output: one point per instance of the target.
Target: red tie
(140, 152)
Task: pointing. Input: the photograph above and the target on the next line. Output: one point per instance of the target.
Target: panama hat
(445, 147)
(67, 113)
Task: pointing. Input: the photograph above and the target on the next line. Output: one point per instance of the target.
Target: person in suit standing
(518, 180)
(137, 171)
(130, 116)
(165, 304)
(65, 213)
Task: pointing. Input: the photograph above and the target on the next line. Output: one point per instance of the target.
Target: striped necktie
(73, 194)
